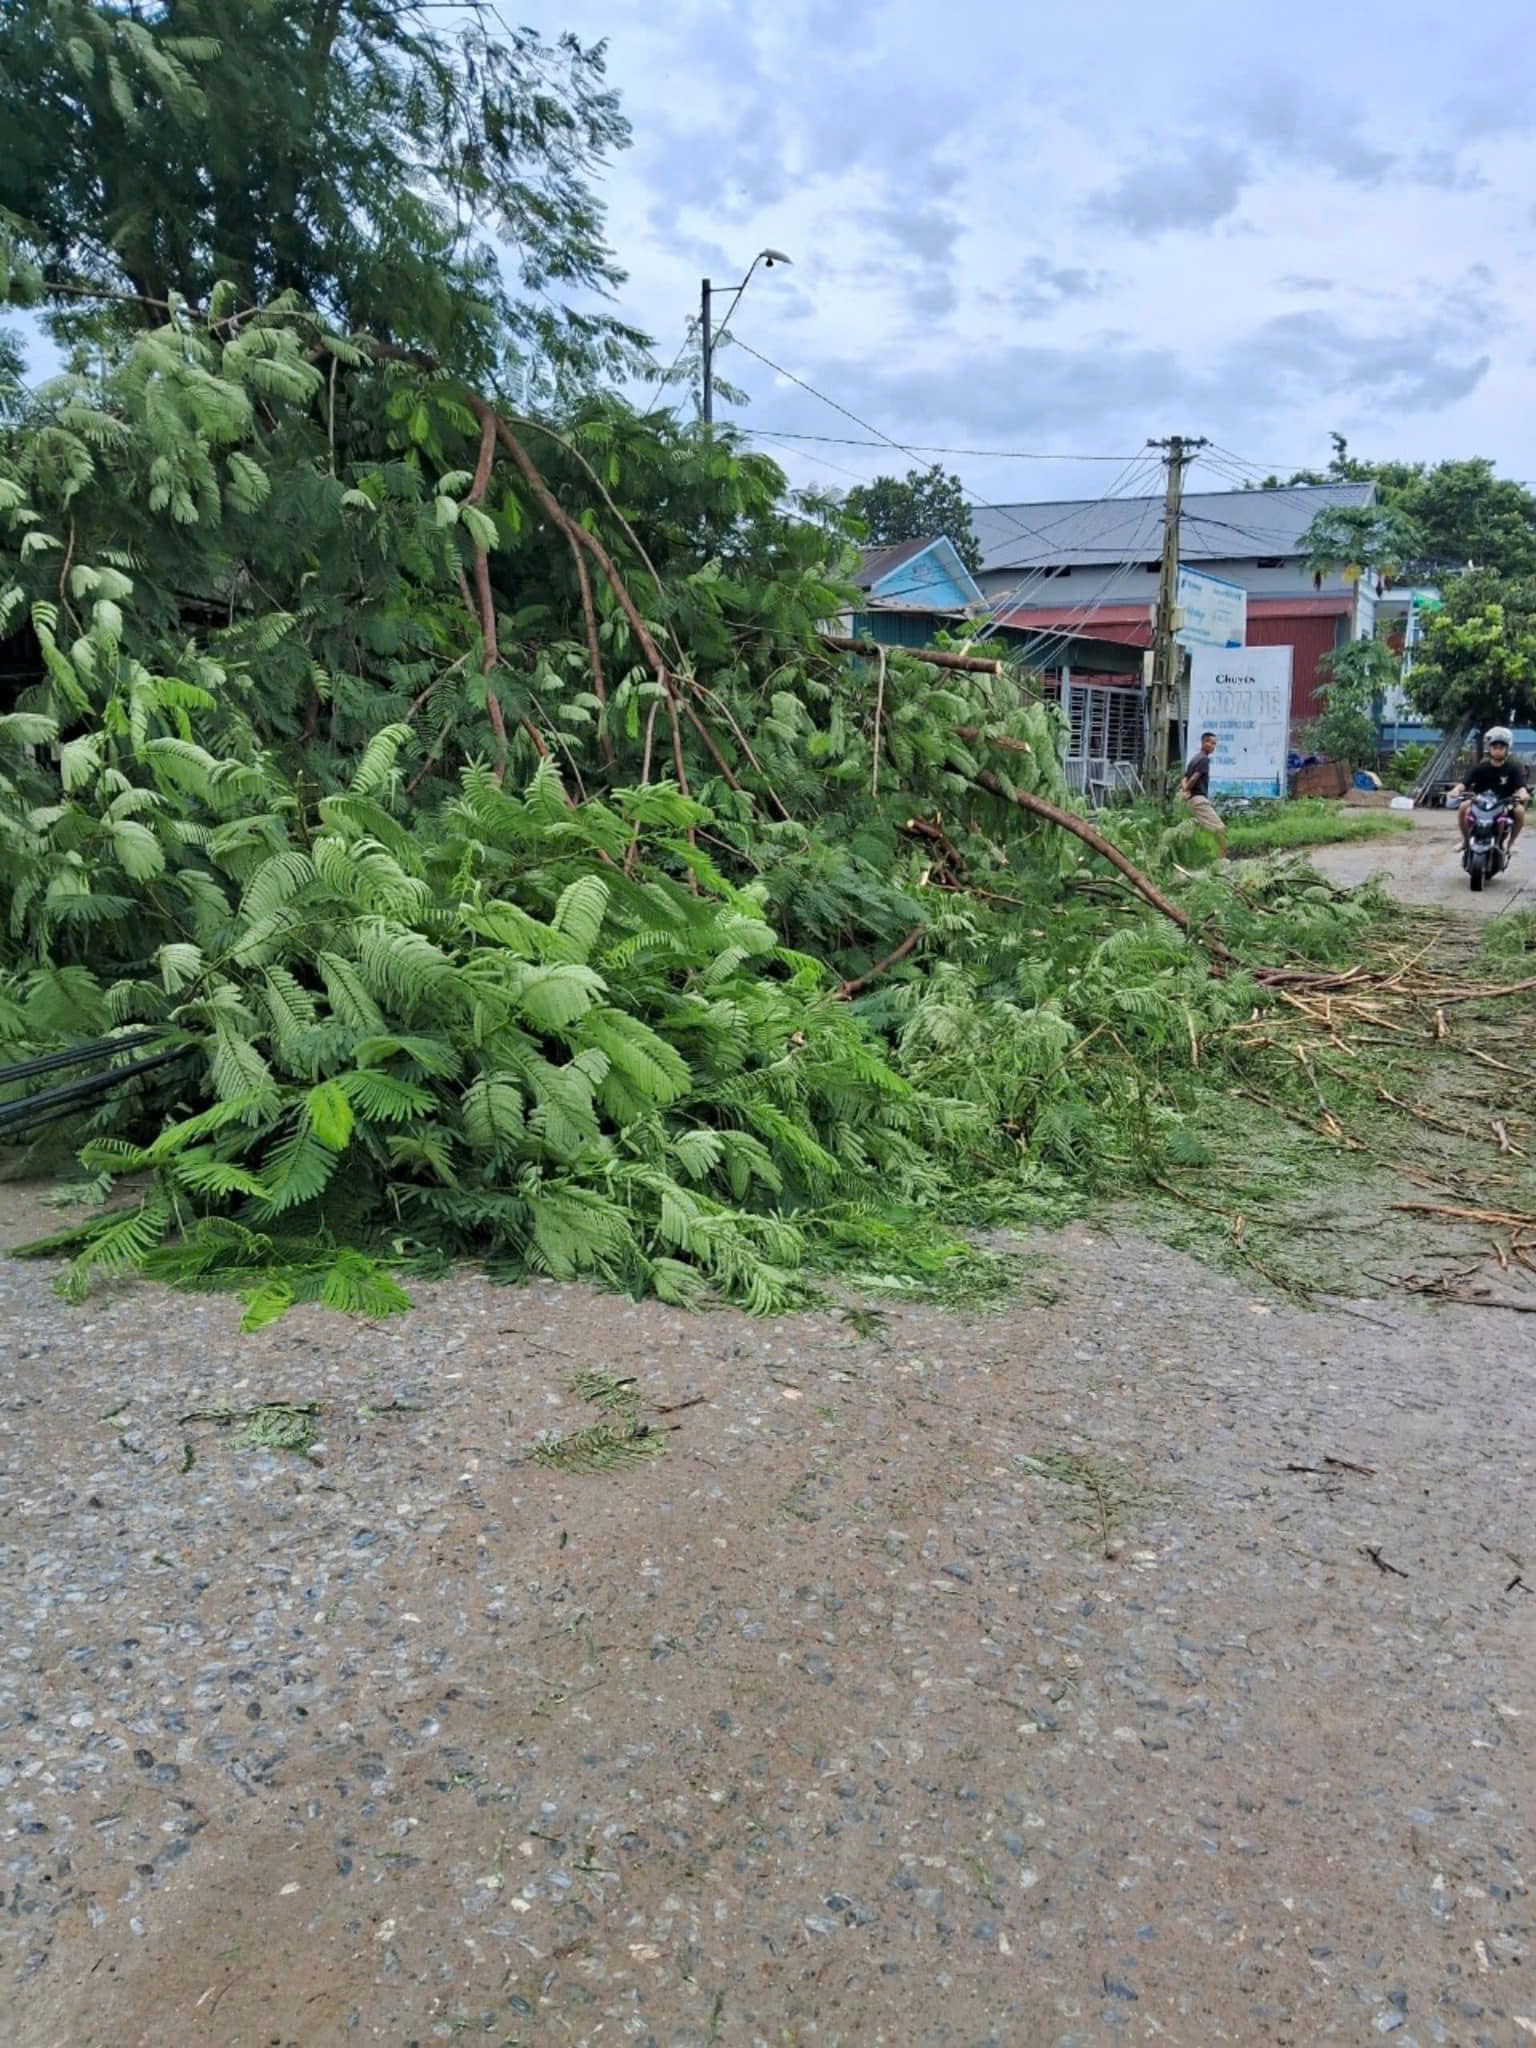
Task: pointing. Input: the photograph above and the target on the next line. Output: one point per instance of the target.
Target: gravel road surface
(1425, 868)
(1152, 1665)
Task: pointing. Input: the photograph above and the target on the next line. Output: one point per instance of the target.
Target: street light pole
(707, 338)
(768, 258)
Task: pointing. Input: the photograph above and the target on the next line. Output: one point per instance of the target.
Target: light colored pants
(1205, 814)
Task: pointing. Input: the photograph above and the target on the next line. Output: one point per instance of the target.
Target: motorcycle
(1486, 852)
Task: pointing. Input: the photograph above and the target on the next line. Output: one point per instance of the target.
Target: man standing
(1498, 774)
(1196, 791)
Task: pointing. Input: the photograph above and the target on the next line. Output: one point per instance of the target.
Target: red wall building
(1312, 626)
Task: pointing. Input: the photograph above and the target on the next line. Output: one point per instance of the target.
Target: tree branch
(874, 752)
(594, 646)
(971, 664)
(578, 537)
(861, 982)
(1144, 888)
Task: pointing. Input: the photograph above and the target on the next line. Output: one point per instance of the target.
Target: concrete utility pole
(1167, 655)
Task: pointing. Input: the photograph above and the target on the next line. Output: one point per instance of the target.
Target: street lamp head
(768, 258)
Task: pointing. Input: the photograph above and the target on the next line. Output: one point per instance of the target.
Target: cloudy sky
(1069, 228)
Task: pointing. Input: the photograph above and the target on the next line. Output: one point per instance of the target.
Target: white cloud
(1080, 227)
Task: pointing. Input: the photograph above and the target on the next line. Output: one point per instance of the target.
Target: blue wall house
(912, 591)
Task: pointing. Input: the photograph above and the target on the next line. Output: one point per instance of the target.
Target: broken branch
(1144, 888)
(971, 664)
(861, 982)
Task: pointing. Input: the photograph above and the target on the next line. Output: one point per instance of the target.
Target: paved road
(1424, 867)
(1031, 1681)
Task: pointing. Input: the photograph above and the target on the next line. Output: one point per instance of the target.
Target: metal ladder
(1441, 762)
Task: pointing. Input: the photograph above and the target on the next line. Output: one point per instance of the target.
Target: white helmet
(1498, 736)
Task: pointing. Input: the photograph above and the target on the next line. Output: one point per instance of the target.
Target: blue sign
(1211, 611)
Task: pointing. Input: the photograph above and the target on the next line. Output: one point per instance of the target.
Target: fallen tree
(515, 867)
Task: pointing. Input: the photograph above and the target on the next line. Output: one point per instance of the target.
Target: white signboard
(1243, 695)
(1212, 612)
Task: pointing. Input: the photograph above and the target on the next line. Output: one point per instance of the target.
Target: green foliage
(1433, 520)
(1357, 538)
(1287, 825)
(1510, 939)
(560, 1039)
(254, 797)
(1479, 660)
(919, 506)
(1406, 767)
(621, 1439)
(496, 842)
(1359, 674)
(600, 1447)
(269, 1426)
(901, 1257)
(1464, 514)
(366, 160)
(278, 1426)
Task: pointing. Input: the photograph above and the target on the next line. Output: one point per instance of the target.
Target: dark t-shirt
(1500, 781)
(1197, 776)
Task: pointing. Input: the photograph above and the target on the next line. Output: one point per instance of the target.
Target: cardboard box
(1322, 778)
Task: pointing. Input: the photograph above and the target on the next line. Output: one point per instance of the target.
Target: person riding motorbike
(1498, 774)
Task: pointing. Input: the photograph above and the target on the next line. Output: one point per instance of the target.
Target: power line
(1121, 488)
(1255, 475)
(1055, 642)
(1214, 455)
(1271, 542)
(667, 375)
(1135, 468)
(894, 602)
(1011, 599)
(763, 434)
(1246, 484)
(919, 447)
(889, 439)
(1057, 637)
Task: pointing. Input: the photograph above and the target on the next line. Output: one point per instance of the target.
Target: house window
(1153, 568)
(1269, 562)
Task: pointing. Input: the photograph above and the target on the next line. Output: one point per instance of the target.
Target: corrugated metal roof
(1217, 526)
(877, 562)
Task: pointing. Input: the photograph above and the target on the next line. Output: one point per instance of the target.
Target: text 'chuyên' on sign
(1243, 695)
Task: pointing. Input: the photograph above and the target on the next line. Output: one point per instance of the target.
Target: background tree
(367, 157)
(1432, 519)
(1479, 660)
(1359, 675)
(1359, 539)
(919, 506)
(1465, 514)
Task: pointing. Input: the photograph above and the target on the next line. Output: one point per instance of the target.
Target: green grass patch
(1509, 940)
(1309, 821)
